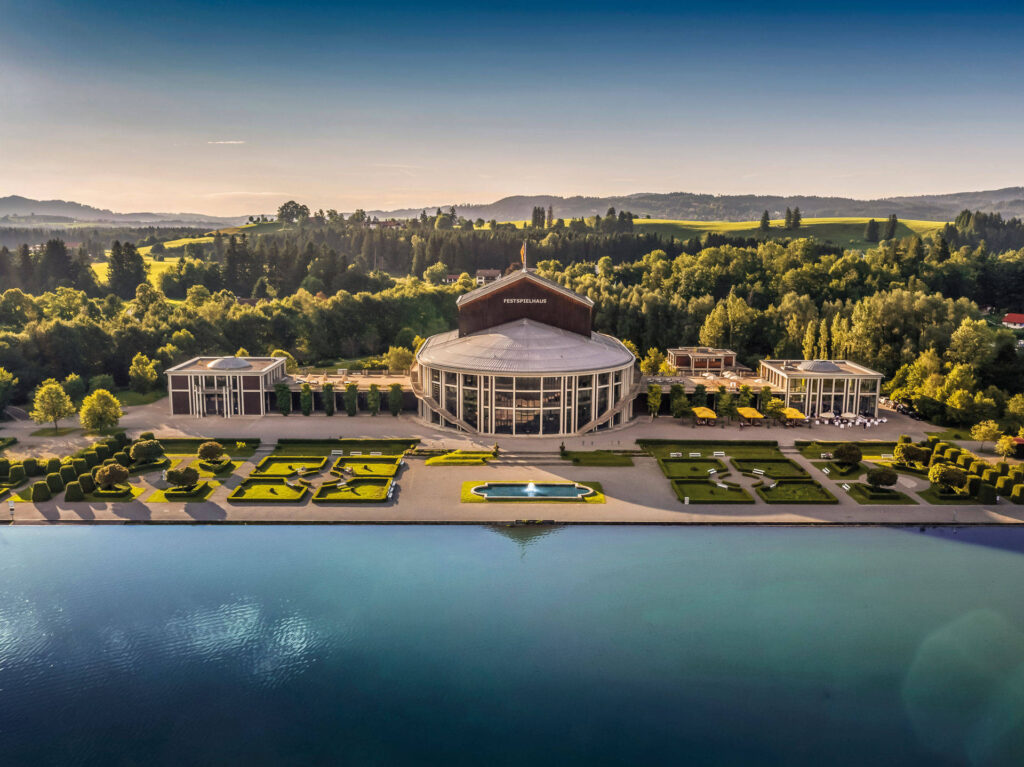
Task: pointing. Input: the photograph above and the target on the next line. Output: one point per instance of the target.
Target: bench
(676, 455)
(354, 453)
(712, 471)
(773, 485)
(695, 455)
(337, 452)
(846, 487)
(686, 500)
(888, 457)
(718, 454)
(758, 472)
(826, 456)
(377, 453)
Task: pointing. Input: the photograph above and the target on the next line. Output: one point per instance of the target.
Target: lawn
(460, 458)
(268, 490)
(63, 431)
(732, 448)
(201, 492)
(178, 461)
(367, 467)
(288, 465)
(862, 493)
(950, 435)
(870, 449)
(358, 490)
(186, 446)
(597, 458)
(931, 495)
(468, 496)
(782, 468)
(840, 470)
(704, 491)
(156, 268)
(690, 468)
(129, 398)
(795, 491)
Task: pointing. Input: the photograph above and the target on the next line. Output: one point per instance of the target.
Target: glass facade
(529, 405)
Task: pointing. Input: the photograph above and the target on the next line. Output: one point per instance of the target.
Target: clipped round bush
(847, 453)
(881, 477)
(147, 435)
(184, 477)
(80, 466)
(122, 458)
(40, 492)
(86, 482)
(904, 453)
(54, 482)
(52, 465)
(73, 492)
(31, 467)
(211, 451)
(16, 474)
(103, 452)
(67, 473)
(111, 474)
(946, 476)
(120, 439)
(146, 451)
(91, 458)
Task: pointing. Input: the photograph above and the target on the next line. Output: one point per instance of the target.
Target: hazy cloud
(225, 142)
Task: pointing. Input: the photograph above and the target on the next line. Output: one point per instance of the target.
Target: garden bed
(186, 446)
(840, 470)
(781, 468)
(288, 465)
(268, 490)
(691, 468)
(199, 492)
(118, 494)
(795, 491)
(933, 495)
(866, 494)
(358, 490)
(663, 448)
(348, 446)
(461, 458)
(704, 491)
(378, 466)
(871, 449)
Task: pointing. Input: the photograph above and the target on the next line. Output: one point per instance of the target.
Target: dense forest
(326, 288)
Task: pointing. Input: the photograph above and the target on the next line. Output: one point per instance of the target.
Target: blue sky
(232, 109)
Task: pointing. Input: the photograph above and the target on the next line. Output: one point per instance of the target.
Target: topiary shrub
(147, 435)
(73, 492)
(111, 474)
(79, 465)
(122, 458)
(211, 451)
(986, 493)
(33, 467)
(184, 477)
(16, 475)
(67, 473)
(973, 483)
(52, 465)
(1017, 494)
(40, 492)
(54, 482)
(964, 460)
(931, 440)
(120, 439)
(1003, 468)
(91, 458)
(946, 476)
(881, 477)
(907, 454)
(103, 452)
(903, 438)
(87, 483)
(146, 451)
(1004, 485)
(848, 453)
(5, 466)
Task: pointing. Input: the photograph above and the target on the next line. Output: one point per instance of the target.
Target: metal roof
(523, 347)
(522, 274)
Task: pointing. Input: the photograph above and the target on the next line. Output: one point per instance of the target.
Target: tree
(847, 453)
(395, 399)
(725, 403)
(328, 395)
(1006, 447)
(678, 402)
(73, 385)
(51, 404)
(146, 451)
(111, 474)
(871, 231)
(211, 452)
(126, 270)
(306, 399)
(797, 218)
(881, 477)
(946, 476)
(242, 352)
(653, 399)
(101, 411)
(1014, 406)
(890, 228)
(373, 399)
(8, 381)
(284, 398)
(774, 409)
(789, 219)
(700, 396)
(766, 222)
(973, 344)
(142, 375)
(650, 364)
(435, 273)
(292, 212)
(351, 399)
(186, 476)
(398, 358)
(290, 365)
(986, 431)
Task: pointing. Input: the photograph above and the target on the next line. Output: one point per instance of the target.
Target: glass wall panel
(503, 399)
(503, 382)
(451, 379)
(527, 399)
(527, 384)
(552, 421)
(469, 380)
(552, 383)
(527, 422)
(602, 400)
(502, 421)
(469, 406)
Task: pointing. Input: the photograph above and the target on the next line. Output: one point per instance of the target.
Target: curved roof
(517, 276)
(523, 347)
(229, 363)
(819, 366)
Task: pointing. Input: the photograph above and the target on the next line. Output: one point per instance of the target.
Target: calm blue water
(520, 490)
(466, 646)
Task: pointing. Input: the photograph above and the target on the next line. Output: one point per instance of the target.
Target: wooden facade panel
(179, 403)
(525, 299)
(251, 403)
(251, 382)
(179, 382)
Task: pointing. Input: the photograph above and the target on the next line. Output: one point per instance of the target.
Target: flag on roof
(522, 253)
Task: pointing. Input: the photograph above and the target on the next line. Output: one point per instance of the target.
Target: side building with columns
(820, 387)
(224, 386)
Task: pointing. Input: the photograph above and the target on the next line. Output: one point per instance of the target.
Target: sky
(230, 108)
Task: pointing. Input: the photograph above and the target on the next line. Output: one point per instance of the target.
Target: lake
(462, 645)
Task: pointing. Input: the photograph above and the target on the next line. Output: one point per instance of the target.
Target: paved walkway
(638, 494)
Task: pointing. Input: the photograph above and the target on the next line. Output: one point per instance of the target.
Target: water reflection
(525, 536)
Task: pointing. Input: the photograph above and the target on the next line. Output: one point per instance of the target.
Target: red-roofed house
(1014, 320)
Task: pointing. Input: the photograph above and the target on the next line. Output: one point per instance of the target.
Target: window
(451, 379)
(552, 422)
(503, 382)
(552, 383)
(503, 399)
(527, 422)
(527, 384)
(502, 421)
(468, 380)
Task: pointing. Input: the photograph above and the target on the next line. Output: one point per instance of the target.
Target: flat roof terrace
(221, 365)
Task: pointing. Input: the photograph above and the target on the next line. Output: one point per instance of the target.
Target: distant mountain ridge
(24, 210)
(708, 207)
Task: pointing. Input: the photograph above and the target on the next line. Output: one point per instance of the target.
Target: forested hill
(22, 210)
(708, 207)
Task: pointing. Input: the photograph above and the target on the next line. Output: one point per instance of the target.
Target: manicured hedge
(40, 492)
(68, 474)
(267, 490)
(703, 491)
(986, 493)
(87, 483)
(117, 491)
(122, 458)
(54, 482)
(199, 490)
(1017, 494)
(73, 492)
(52, 465)
(80, 465)
(32, 467)
(16, 475)
(357, 490)
(796, 491)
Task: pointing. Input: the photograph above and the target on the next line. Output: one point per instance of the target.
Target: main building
(524, 361)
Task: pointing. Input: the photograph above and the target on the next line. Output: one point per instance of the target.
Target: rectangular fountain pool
(524, 491)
